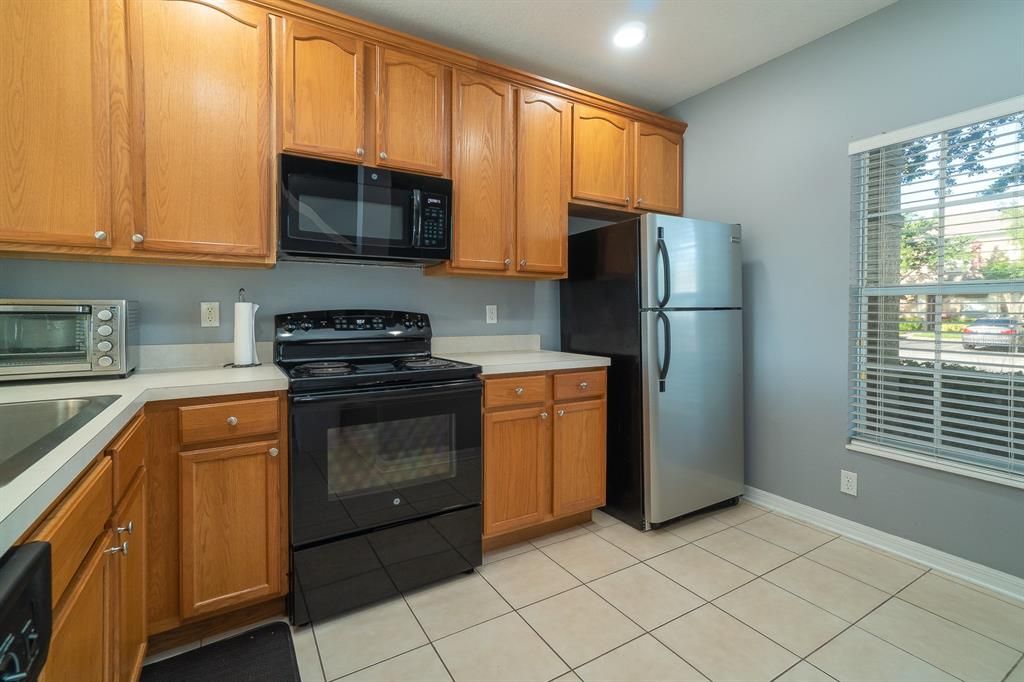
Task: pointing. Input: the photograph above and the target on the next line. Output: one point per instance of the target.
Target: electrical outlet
(492, 314)
(848, 482)
(209, 314)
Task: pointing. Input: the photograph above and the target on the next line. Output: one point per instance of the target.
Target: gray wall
(170, 296)
(769, 149)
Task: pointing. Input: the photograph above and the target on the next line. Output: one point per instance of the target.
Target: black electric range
(385, 458)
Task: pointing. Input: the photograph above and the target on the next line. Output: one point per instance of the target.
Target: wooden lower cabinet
(543, 460)
(83, 623)
(517, 469)
(129, 524)
(231, 535)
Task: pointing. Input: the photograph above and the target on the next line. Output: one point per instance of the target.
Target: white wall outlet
(848, 482)
(492, 314)
(209, 314)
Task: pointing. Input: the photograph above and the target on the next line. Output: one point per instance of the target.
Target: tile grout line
(430, 641)
(1019, 664)
(316, 645)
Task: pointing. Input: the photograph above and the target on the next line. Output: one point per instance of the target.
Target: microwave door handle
(417, 217)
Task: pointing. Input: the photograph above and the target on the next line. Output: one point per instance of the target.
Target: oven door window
(53, 341)
(371, 459)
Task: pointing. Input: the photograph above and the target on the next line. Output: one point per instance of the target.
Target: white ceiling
(691, 45)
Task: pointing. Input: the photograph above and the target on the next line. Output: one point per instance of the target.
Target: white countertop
(25, 498)
(514, 361)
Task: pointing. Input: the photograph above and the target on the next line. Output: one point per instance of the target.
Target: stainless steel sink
(30, 430)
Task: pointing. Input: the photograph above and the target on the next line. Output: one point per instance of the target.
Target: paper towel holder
(241, 299)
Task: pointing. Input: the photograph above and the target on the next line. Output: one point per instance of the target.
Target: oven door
(45, 339)
(368, 458)
(344, 210)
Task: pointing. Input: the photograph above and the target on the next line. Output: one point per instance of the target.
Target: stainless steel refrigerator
(661, 296)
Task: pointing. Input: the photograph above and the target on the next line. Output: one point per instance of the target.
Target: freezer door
(688, 263)
(693, 410)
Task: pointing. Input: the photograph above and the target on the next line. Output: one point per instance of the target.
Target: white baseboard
(969, 571)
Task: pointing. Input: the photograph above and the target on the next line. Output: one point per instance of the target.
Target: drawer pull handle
(543, 415)
(272, 452)
(519, 390)
(584, 385)
(122, 548)
(561, 413)
(232, 421)
(130, 528)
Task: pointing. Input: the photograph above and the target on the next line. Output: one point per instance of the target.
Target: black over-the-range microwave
(340, 211)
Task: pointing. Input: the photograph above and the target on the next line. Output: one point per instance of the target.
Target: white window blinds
(937, 294)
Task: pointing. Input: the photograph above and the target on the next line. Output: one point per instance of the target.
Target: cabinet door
(659, 170)
(579, 458)
(82, 638)
(543, 162)
(517, 469)
(230, 526)
(482, 172)
(200, 85)
(55, 187)
(322, 92)
(602, 156)
(130, 527)
(412, 121)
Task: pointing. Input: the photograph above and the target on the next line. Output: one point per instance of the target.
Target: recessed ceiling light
(630, 35)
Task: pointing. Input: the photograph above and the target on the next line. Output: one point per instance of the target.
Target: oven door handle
(432, 390)
(417, 217)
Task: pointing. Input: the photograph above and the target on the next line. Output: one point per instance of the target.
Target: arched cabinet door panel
(602, 156)
(412, 113)
(659, 170)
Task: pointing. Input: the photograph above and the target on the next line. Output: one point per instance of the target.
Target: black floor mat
(265, 654)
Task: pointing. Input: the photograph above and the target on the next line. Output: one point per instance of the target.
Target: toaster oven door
(45, 339)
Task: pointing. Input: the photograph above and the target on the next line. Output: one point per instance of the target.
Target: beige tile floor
(741, 594)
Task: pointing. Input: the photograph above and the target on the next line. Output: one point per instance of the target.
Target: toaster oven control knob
(104, 346)
(306, 325)
(104, 315)
(104, 330)
(105, 361)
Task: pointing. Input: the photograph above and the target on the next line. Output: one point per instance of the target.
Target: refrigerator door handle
(665, 269)
(666, 358)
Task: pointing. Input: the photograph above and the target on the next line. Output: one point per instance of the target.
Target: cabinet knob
(232, 421)
(627, 198)
(584, 385)
(122, 548)
(360, 151)
(383, 155)
(522, 263)
(543, 415)
(639, 200)
(518, 390)
(508, 262)
(138, 238)
(272, 452)
(130, 528)
(100, 235)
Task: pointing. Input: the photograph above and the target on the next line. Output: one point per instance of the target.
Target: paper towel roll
(245, 333)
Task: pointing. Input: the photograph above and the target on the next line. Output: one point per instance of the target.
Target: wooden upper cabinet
(412, 118)
(231, 526)
(543, 167)
(602, 161)
(55, 169)
(322, 92)
(482, 124)
(200, 90)
(659, 169)
(578, 472)
(517, 445)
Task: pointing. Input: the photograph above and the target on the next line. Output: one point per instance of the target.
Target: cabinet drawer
(574, 385)
(524, 390)
(222, 421)
(76, 523)
(128, 454)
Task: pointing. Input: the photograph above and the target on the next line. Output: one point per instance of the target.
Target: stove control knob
(288, 327)
(306, 325)
(420, 324)
(408, 324)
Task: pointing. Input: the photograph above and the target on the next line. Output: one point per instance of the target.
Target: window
(937, 294)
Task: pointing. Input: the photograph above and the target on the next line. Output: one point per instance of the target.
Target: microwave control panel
(435, 221)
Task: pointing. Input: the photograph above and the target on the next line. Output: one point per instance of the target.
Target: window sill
(1011, 480)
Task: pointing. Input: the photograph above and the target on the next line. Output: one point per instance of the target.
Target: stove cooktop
(337, 374)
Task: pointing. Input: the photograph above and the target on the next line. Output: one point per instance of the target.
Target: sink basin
(30, 430)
